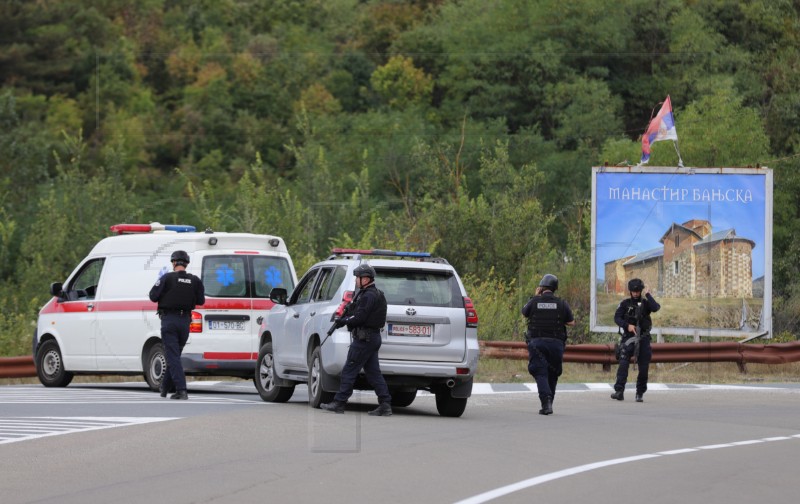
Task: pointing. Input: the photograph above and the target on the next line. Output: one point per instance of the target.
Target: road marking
(538, 480)
(79, 395)
(15, 429)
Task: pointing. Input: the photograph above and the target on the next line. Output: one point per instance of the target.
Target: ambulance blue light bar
(381, 252)
(152, 227)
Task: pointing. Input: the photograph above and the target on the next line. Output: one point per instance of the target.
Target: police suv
(101, 321)
(430, 341)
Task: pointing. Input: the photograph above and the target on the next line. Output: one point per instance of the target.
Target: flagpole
(680, 161)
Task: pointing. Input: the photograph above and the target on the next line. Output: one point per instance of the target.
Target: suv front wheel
(316, 395)
(265, 377)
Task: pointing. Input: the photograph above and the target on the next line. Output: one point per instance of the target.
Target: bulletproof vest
(547, 318)
(179, 289)
(645, 322)
(377, 318)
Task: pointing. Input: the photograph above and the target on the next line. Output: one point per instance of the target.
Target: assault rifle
(637, 334)
(338, 322)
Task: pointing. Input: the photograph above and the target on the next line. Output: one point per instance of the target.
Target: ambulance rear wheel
(50, 366)
(155, 365)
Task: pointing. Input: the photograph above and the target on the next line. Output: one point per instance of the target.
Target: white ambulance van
(101, 320)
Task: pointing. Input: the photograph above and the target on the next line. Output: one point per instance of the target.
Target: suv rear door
(426, 319)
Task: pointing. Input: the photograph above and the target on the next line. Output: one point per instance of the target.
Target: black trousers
(174, 335)
(363, 355)
(645, 355)
(545, 356)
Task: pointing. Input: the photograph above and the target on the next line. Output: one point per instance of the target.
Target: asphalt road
(122, 443)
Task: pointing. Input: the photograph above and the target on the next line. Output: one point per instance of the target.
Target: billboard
(699, 238)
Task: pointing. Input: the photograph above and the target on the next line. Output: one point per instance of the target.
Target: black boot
(181, 394)
(639, 398)
(547, 406)
(619, 395)
(383, 409)
(334, 406)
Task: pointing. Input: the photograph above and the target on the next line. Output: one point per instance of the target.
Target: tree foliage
(466, 128)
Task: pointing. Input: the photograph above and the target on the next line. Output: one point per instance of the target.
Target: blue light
(414, 254)
(180, 228)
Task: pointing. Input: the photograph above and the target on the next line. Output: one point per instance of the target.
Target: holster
(361, 334)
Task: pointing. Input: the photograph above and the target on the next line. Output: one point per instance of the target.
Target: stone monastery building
(692, 262)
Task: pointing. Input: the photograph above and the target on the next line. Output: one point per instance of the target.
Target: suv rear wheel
(449, 406)
(265, 378)
(316, 395)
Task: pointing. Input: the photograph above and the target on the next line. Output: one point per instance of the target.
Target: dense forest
(467, 128)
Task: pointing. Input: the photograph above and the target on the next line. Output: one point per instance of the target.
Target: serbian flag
(662, 127)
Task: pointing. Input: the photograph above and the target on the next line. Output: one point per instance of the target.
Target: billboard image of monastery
(699, 238)
(691, 261)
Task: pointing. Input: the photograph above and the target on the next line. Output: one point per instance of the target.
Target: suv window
(330, 280)
(418, 287)
(225, 276)
(303, 292)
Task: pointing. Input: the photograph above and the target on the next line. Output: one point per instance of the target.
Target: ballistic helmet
(364, 270)
(549, 282)
(180, 257)
(636, 285)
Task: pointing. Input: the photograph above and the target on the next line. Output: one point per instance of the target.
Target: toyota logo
(411, 311)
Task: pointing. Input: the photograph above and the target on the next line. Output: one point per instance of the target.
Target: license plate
(410, 330)
(226, 325)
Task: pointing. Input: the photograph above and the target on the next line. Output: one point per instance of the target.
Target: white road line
(35, 395)
(538, 480)
(14, 429)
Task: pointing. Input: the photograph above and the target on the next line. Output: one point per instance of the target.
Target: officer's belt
(547, 337)
(174, 312)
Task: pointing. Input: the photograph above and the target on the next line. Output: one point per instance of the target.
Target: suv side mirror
(278, 295)
(56, 289)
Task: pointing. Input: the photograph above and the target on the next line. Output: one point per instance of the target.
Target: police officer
(547, 317)
(177, 293)
(630, 312)
(365, 327)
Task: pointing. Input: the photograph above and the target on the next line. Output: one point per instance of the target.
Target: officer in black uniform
(365, 326)
(547, 317)
(626, 318)
(177, 293)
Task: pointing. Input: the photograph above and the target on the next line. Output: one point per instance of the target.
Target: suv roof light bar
(151, 228)
(380, 252)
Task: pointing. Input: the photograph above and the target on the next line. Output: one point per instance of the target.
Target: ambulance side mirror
(56, 290)
(278, 295)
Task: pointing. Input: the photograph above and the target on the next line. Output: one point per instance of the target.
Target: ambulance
(101, 320)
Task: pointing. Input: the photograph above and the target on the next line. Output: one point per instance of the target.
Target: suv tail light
(346, 298)
(472, 315)
(196, 325)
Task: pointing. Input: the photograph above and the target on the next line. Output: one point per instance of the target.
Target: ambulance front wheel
(155, 365)
(50, 365)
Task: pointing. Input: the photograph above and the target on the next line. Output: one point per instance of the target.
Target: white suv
(430, 340)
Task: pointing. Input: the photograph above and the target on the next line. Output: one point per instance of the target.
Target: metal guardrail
(17, 367)
(776, 353)
(739, 353)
